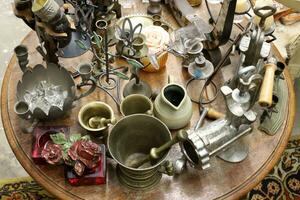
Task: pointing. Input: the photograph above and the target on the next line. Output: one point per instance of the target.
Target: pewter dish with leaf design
(49, 91)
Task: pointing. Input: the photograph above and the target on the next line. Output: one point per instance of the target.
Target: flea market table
(222, 181)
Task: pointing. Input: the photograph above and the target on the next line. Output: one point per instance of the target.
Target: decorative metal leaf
(121, 75)
(97, 39)
(59, 138)
(135, 63)
(81, 45)
(67, 146)
(75, 137)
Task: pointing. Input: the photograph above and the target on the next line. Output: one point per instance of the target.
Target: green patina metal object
(272, 119)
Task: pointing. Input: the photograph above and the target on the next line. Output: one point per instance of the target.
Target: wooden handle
(213, 114)
(266, 91)
(283, 13)
(290, 19)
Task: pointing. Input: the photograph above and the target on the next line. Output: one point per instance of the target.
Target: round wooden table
(222, 181)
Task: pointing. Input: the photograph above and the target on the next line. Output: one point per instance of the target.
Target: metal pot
(56, 76)
(98, 113)
(132, 138)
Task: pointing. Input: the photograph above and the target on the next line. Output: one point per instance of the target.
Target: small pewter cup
(21, 52)
(166, 27)
(85, 71)
(156, 17)
(138, 43)
(131, 139)
(157, 23)
(21, 108)
(135, 104)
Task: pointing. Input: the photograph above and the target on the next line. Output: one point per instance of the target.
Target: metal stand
(235, 153)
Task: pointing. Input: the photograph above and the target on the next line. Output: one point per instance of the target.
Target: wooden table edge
(59, 192)
(14, 144)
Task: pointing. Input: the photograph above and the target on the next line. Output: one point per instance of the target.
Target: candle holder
(193, 49)
(21, 108)
(201, 68)
(137, 86)
(85, 71)
(21, 52)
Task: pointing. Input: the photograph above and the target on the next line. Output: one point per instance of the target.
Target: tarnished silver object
(209, 141)
(254, 47)
(212, 37)
(192, 50)
(201, 68)
(179, 165)
(220, 136)
(154, 7)
(56, 88)
(85, 71)
(21, 108)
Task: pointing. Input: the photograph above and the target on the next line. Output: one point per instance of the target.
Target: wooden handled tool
(290, 19)
(213, 114)
(266, 91)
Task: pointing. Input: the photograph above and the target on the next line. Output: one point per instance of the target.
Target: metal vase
(131, 139)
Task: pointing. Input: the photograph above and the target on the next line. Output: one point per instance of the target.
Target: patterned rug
(282, 183)
(22, 189)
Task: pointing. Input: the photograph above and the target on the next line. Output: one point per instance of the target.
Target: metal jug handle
(91, 90)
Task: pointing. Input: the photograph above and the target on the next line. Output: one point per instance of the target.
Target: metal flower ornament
(76, 151)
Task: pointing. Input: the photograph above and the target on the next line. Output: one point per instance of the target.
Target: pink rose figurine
(84, 152)
(52, 153)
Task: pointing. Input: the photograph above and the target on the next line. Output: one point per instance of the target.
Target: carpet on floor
(282, 183)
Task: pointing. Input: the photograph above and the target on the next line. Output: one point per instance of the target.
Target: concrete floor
(12, 32)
